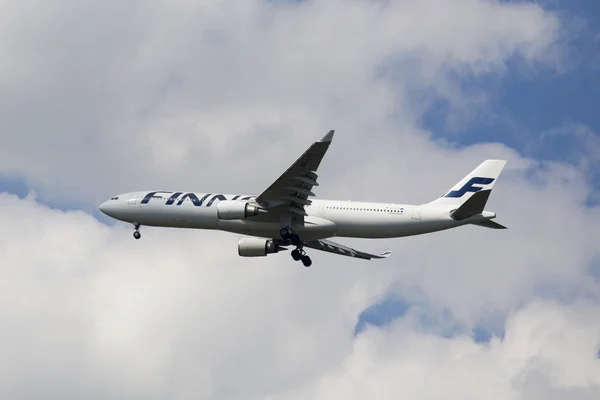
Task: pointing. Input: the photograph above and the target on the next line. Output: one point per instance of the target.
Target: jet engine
(254, 247)
(233, 209)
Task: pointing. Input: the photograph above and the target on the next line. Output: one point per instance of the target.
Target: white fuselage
(326, 218)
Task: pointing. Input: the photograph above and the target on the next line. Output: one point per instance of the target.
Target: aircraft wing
(331, 247)
(290, 192)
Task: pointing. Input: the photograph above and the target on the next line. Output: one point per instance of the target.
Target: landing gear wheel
(306, 261)
(290, 237)
(296, 255)
(136, 233)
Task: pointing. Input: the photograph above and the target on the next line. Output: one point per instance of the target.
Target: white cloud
(169, 311)
(148, 94)
(222, 95)
(89, 311)
(547, 349)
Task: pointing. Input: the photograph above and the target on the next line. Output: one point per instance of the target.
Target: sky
(222, 96)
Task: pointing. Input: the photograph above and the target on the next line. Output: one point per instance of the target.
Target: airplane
(283, 215)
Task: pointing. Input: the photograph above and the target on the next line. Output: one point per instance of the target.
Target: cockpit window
(115, 198)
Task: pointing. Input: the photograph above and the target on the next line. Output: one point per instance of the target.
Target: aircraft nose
(104, 207)
(109, 207)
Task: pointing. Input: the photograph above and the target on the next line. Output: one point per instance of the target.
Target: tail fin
(468, 197)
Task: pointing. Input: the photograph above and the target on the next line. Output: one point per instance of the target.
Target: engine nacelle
(234, 209)
(254, 247)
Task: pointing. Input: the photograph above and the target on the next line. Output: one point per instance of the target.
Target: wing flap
(308, 180)
(298, 211)
(299, 190)
(336, 248)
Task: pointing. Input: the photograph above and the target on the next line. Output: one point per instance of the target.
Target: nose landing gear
(136, 232)
(298, 254)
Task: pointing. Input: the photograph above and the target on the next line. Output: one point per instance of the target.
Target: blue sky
(525, 103)
(524, 106)
(500, 314)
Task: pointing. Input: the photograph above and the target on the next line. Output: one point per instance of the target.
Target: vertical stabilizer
(481, 181)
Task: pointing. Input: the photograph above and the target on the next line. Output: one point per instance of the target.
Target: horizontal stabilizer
(473, 206)
(489, 224)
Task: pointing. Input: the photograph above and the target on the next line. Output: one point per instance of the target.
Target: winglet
(385, 254)
(328, 138)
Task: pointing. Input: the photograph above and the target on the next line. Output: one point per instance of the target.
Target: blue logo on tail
(468, 187)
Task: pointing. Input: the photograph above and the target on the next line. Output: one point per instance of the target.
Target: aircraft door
(133, 199)
(416, 212)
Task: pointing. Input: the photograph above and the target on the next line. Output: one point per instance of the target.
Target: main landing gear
(136, 232)
(298, 254)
